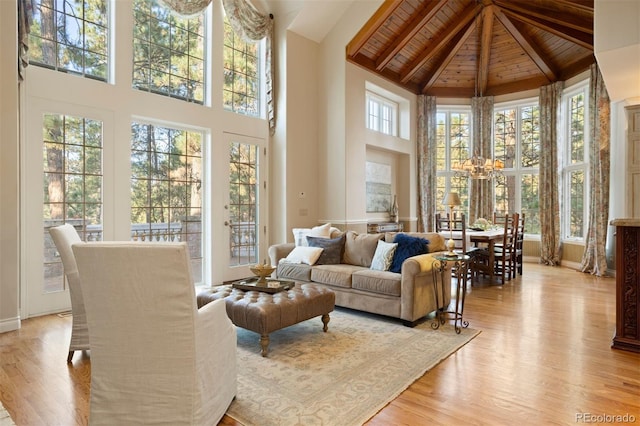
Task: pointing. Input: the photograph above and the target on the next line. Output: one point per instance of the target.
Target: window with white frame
(242, 82)
(382, 114)
(575, 163)
(516, 135)
(71, 36)
(453, 133)
(166, 187)
(168, 52)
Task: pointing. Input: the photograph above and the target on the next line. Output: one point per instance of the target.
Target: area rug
(341, 377)
(5, 418)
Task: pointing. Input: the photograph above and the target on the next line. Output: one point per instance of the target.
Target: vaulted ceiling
(465, 48)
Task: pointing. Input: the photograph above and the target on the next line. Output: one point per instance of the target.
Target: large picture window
(575, 164)
(71, 36)
(168, 52)
(72, 185)
(517, 144)
(166, 187)
(453, 145)
(241, 91)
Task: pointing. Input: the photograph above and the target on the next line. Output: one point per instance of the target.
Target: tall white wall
(337, 170)
(9, 158)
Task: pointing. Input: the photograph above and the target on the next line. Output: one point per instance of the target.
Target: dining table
(480, 238)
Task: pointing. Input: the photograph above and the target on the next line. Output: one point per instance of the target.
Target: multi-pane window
(382, 114)
(72, 184)
(453, 133)
(517, 144)
(168, 52)
(71, 36)
(241, 91)
(166, 187)
(575, 164)
(243, 203)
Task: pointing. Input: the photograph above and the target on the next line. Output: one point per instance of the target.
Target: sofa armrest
(279, 251)
(417, 287)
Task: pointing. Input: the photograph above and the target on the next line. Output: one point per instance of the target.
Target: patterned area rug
(5, 418)
(342, 377)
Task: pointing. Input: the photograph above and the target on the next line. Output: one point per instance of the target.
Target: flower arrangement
(482, 223)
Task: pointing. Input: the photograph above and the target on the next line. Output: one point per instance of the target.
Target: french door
(239, 189)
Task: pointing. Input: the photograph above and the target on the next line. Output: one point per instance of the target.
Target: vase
(393, 211)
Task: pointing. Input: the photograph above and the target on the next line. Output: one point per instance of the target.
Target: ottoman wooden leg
(325, 321)
(264, 344)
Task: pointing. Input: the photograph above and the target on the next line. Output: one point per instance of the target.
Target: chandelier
(478, 167)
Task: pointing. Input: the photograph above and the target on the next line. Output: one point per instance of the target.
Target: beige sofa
(408, 295)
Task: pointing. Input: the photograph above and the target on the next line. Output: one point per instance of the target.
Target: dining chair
(155, 357)
(64, 236)
(503, 252)
(518, 246)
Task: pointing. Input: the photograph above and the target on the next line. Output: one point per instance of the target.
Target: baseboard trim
(9, 324)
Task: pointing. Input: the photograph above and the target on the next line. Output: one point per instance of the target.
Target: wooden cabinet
(627, 284)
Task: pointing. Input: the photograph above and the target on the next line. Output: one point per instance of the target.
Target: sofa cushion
(382, 282)
(300, 234)
(359, 248)
(294, 271)
(436, 241)
(337, 275)
(308, 255)
(332, 249)
(383, 256)
(408, 246)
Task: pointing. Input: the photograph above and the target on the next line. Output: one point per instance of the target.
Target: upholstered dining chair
(155, 357)
(63, 237)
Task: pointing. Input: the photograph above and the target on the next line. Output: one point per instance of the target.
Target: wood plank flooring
(544, 357)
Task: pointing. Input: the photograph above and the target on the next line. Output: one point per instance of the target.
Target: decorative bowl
(262, 271)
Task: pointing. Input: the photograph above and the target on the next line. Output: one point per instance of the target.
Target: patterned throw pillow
(333, 248)
(407, 247)
(383, 256)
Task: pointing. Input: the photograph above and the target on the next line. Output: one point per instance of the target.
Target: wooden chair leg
(69, 357)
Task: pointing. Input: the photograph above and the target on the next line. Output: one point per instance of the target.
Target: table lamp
(451, 199)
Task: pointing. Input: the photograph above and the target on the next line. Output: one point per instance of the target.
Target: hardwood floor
(543, 357)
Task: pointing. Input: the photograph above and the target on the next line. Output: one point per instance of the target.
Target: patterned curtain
(186, 8)
(549, 197)
(594, 259)
(427, 109)
(251, 25)
(481, 193)
(25, 19)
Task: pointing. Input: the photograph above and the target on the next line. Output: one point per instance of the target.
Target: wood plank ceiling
(466, 48)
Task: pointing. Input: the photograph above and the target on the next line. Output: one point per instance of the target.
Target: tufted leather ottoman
(264, 313)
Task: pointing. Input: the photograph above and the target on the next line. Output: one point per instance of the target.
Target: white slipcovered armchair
(63, 237)
(155, 358)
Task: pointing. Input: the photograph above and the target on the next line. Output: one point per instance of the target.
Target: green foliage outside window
(241, 91)
(168, 52)
(71, 36)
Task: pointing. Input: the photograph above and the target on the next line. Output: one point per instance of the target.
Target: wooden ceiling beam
(565, 14)
(577, 67)
(435, 45)
(411, 29)
(580, 38)
(373, 24)
(485, 48)
(528, 45)
(456, 44)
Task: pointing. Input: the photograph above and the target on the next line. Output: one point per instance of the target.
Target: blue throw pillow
(407, 246)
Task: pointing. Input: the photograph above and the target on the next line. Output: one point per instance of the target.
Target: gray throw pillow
(332, 249)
